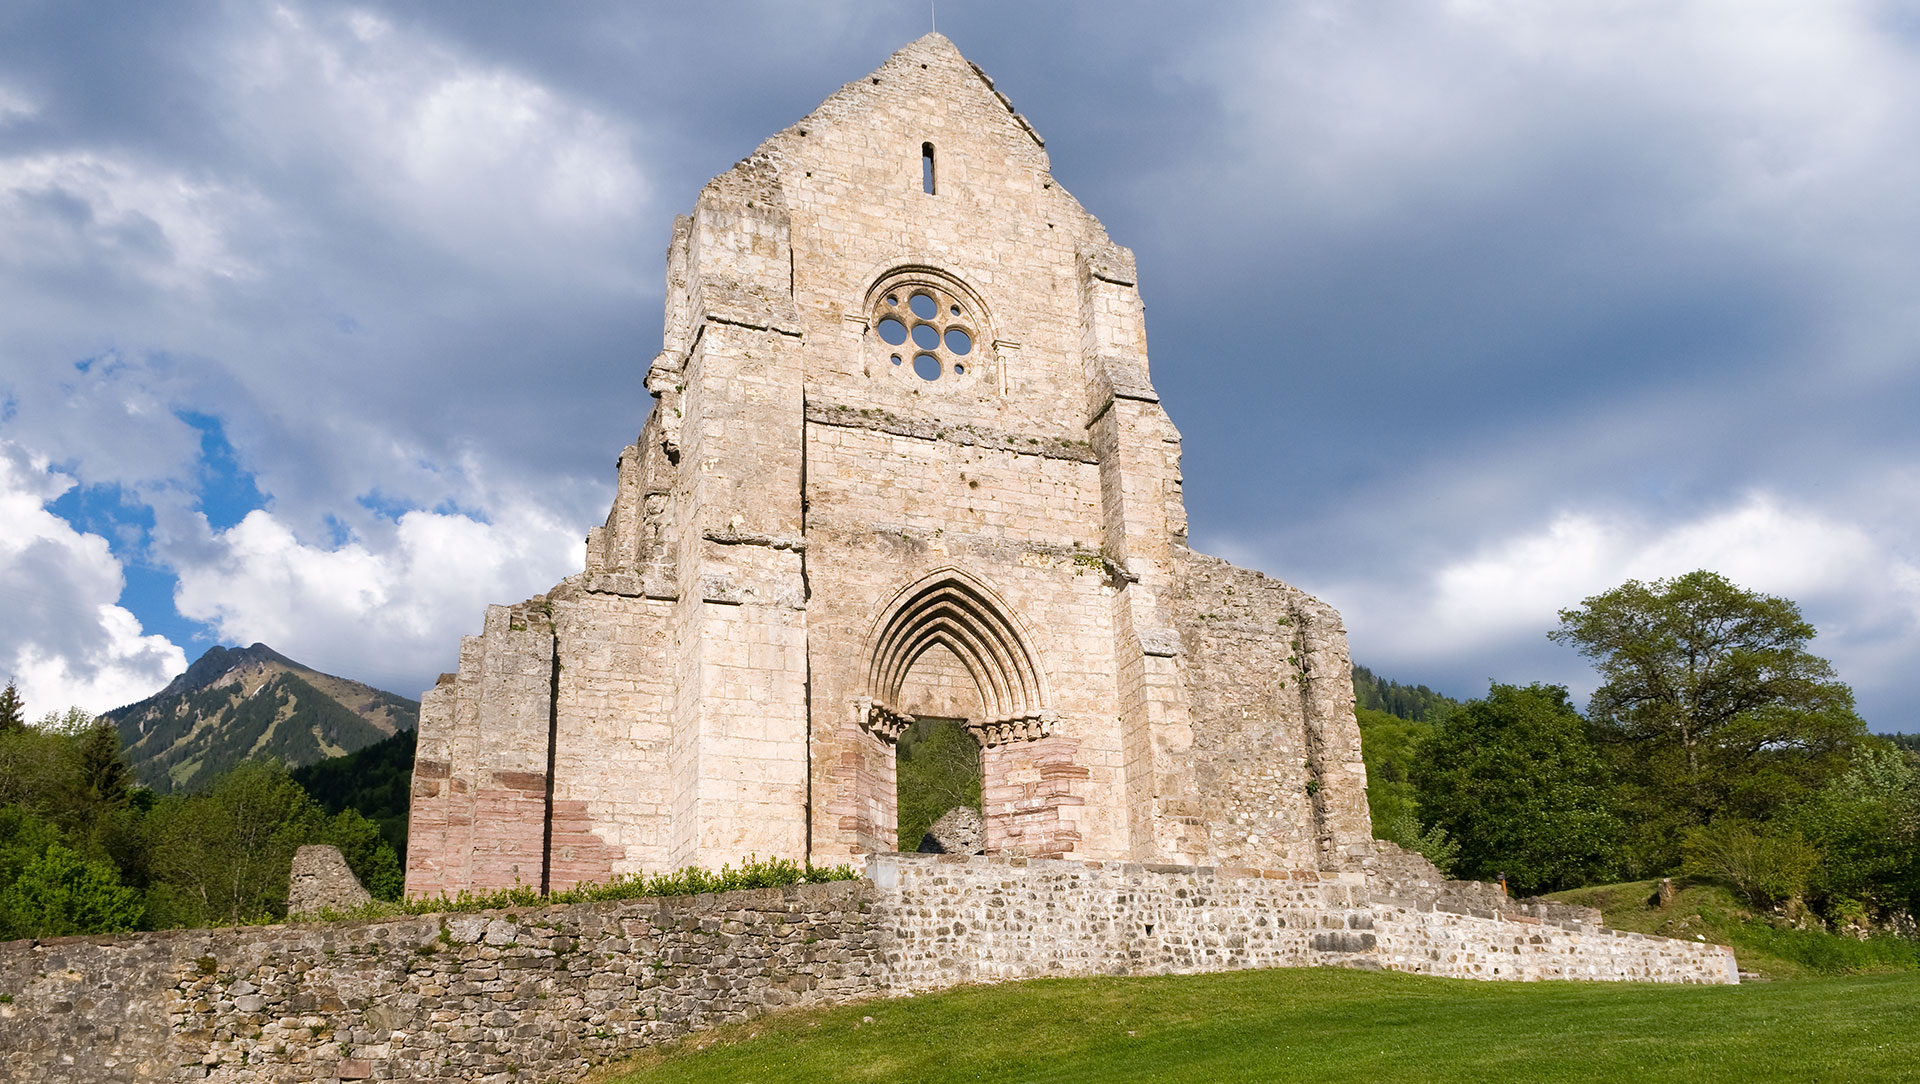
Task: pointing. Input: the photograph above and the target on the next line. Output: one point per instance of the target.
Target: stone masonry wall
(528, 994)
(976, 918)
(540, 993)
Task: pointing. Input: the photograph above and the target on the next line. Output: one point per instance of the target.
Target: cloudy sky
(322, 324)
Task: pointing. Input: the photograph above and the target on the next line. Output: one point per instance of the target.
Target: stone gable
(904, 458)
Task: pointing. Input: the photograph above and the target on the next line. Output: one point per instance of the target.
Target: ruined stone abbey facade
(904, 459)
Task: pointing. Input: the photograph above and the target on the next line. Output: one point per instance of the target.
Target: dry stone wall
(540, 993)
(530, 994)
(976, 918)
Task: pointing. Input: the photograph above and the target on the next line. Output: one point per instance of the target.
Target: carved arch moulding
(952, 609)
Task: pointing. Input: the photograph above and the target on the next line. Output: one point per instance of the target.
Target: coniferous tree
(104, 774)
(13, 714)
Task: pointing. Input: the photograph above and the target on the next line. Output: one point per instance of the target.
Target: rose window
(927, 329)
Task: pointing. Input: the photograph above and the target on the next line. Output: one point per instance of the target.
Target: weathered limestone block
(321, 879)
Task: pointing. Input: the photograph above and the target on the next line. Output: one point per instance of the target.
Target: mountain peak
(218, 661)
(245, 703)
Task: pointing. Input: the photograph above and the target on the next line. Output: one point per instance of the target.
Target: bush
(59, 894)
(690, 881)
(1432, 843)
(1766, 868)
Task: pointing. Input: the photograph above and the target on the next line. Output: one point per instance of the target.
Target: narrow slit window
(926, 168)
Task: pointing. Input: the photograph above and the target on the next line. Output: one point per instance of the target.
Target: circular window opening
(928, 323)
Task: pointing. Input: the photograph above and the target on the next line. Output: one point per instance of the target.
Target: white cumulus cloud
(65, 639)
(385, 611)
(478, 158)
(61, 211)
(1855, 582)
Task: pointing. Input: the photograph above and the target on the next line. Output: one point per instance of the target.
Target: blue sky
(322, 324)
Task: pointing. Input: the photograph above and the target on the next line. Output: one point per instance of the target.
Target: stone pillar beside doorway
(1032, 793)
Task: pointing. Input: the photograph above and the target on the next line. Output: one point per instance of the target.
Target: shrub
(59, 894)
(689, 881)
(1766, 868)
(1431, 843)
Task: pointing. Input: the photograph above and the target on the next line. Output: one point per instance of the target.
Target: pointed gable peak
(927, 47)
(932, 48)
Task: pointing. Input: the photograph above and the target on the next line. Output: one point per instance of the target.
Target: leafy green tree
(939, 768)
(1866, 825)
(1388, 745)
(1712, 701)
(59, 894)
(377, 781)
(37, 770)
(71, 771)
(368, 854)
(13, 715)
(70, 723)
(224, 855)
(1516, 781)
(24, 836)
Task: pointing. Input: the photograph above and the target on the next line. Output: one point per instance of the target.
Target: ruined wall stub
(904, 457)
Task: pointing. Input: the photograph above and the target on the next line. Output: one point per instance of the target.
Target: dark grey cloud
(1463, 312)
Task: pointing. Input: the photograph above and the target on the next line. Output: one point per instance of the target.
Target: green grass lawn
(1759, 944)
(1326, 1026)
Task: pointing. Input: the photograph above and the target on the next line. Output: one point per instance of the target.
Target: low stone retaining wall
(528, 994)
(539, 993)
(954, 918)
(971, 918)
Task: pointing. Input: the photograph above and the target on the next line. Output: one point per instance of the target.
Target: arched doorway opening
(938, 775)
(948, 656)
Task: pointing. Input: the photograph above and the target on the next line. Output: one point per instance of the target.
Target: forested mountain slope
(239, 704)
(376, 781)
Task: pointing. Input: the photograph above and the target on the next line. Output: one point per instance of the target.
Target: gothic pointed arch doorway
(950, 647)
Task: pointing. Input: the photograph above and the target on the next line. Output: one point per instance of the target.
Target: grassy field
(1761, 947)
(1326, 1026)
